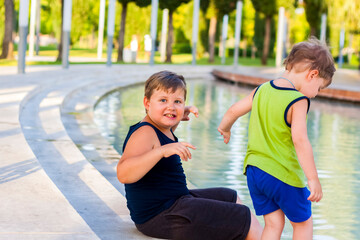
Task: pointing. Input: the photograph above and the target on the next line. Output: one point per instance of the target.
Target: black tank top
(160, 187)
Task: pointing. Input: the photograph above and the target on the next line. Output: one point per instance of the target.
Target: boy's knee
(306, 224)
(275, 220)
(255, 230)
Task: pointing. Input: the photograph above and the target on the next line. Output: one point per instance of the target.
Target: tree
(59, 57)
(314, 9)
(215, 10)
(121, 38)
(7, 47)
(269, 9)
(171, 5)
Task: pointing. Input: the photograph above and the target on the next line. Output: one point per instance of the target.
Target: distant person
(147, 46)
(279, 151)
(134, 47)
(159, 201)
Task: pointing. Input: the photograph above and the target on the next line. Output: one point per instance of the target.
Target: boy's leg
(274, 225)
(195, 218)
(256, 229)
(303, 230)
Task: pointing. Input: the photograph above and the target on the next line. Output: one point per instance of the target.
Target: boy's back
(270, 145)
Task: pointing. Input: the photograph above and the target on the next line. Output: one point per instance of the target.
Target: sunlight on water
(333, 129)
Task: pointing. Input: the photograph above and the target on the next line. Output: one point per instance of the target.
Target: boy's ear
(146, 103)
(313, 73)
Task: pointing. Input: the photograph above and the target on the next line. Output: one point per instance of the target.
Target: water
(333, 129)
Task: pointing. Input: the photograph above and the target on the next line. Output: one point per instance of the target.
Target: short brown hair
(315, 55)
(164, 80)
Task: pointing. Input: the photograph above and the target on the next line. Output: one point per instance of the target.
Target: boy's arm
(237, 110)
(187, 111)
(143, 151)
(304, 150)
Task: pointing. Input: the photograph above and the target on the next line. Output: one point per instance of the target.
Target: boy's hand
(315, 190)
(225, 134)
(188, 110)
(179, 148)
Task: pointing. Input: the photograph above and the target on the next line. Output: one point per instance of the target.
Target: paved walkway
(57, 173)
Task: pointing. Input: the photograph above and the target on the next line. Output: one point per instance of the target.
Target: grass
(51, 51)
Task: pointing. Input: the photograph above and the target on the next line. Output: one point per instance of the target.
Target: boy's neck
(295, 78)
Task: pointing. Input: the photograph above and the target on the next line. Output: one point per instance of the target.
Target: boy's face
(313, 87)
(166, 109)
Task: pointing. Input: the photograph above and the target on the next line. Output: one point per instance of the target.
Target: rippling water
(333, 129)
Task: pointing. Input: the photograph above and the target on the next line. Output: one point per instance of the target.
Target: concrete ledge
(336, 91)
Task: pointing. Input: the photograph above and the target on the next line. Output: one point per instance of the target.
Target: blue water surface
(333, 129)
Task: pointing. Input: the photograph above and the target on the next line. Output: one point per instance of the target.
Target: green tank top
(270, 145)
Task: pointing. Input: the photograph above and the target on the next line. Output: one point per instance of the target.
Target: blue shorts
(270, 194)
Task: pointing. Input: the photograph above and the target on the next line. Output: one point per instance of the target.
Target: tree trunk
(313, 31)
(170, 38)
(122, 33)
(212, 32)
(59, 57)
(266, 40)
(8, 47)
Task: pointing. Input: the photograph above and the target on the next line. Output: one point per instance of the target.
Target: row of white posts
(35, 11)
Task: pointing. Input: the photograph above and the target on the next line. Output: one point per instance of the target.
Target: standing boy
(159, 201)
(279, 151)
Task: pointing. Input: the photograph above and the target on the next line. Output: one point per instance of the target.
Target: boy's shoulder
(141, 135)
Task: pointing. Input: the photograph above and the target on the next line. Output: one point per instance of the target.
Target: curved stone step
(69, 191)
(89, 193)
(32, 207)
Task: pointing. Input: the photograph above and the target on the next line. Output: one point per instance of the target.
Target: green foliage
(182, 22)
(2, 22)
(225, 7)
(172, 5)
(204, 5)
(260, 33)
(248, 22)
(139, 25)
(344, 14)
(204, 33)
(84, 23)
(51, 18)
(143, 3)
(314, 10)
(125, 1)
(182, 48)
(298, 27)
(267, 7)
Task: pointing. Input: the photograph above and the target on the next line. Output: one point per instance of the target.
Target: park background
(132, 17)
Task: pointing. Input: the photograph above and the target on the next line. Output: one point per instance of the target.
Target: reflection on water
(333, 129)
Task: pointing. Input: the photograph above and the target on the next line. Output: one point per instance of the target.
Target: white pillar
(280, 37)
(195, 29)
(341, 46)
(101, 28)
(239, 6)
(32, 27)
(110, 30)
(23, 26)
(164, 34)
(323, 28)
(38, 23)
(66, 32)
(224, 36)
(153, 28)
